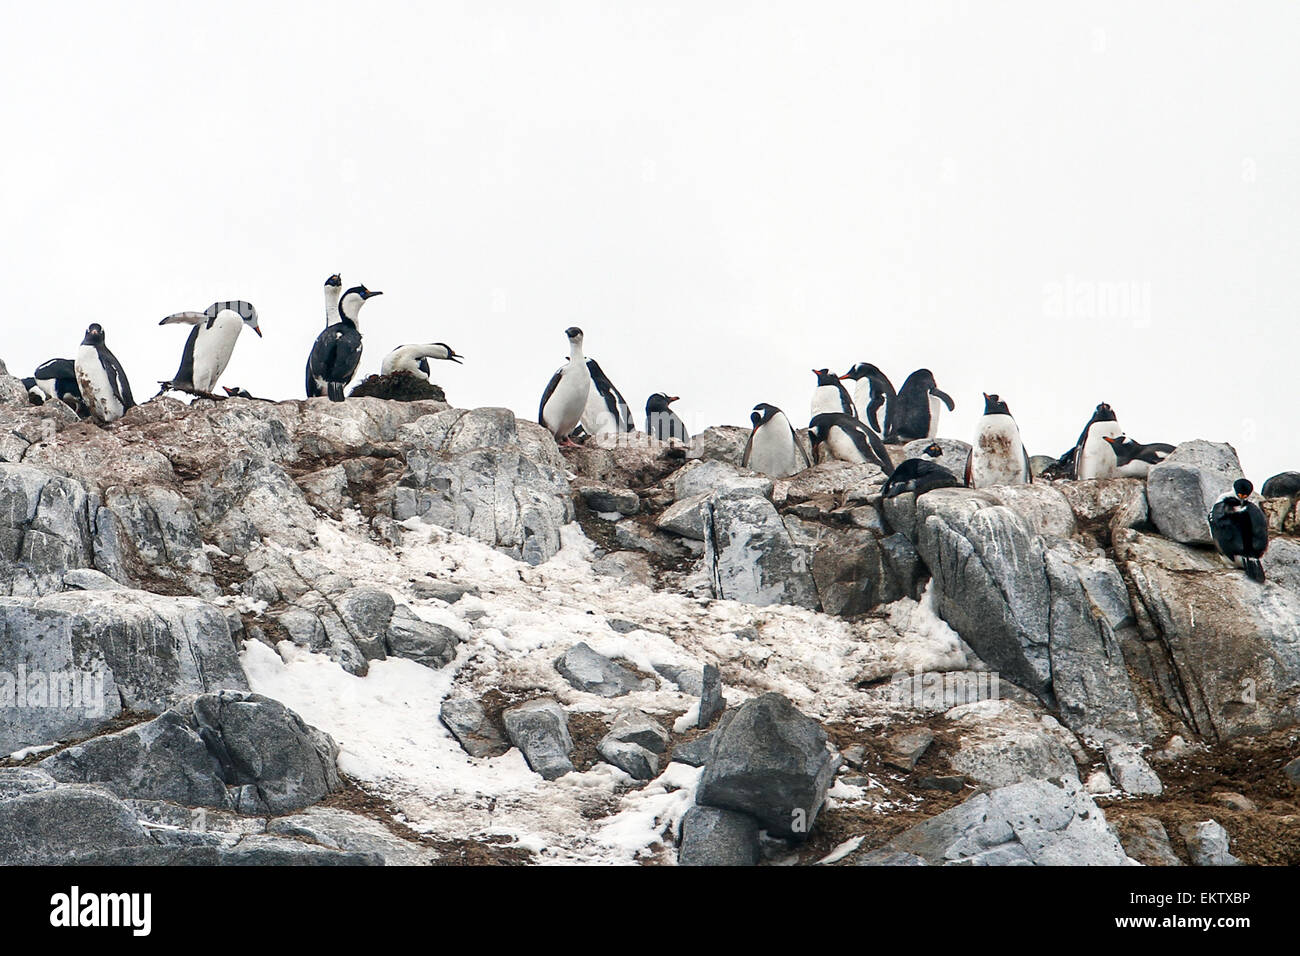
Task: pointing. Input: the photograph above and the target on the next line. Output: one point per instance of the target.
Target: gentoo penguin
(915, 412)
(337, 351)
(1094, 457)
(1240, 529)
(919, 475)
(1133, 459)
(211, 342)
(997, 456)
(661, 422)
(333, 289)
(103, 384)
(1061, 468)
(565, 398)
(1284, 485)
(848, 439)
(773, 448)
(830, 395)
(873, 389)
(606, 410)
(57, 378)
(415, 358)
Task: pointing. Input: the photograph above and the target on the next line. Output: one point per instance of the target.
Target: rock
(540, 730)
(593, 673)
(627, 567)
(1043, 507)
(341, 830)
(1182, 489)
(686, 517)
(711, 477)
(711, 701)
(904, 749)
(1292, 772)
(427, 643)
(853, 570)
(725, 443)
(694, 753)
(772, 762)
(947, 783)
(605, 500)
(1001, 743)
(1235, 801)
(750, 557)
(836, 482)
(1208, 844)
(1133, 774)
(633, 759)
(19, 780)
(367, 612)
(468, 723)
(56, 825)
(715, 837)
(1146, 841)
(446, 591)
(230, 750)
(88, 579)
(1037, 823)
(1099, 782)
(637, 727)
(97, 652)
(637, 537)
(689, 679)
(250, 500)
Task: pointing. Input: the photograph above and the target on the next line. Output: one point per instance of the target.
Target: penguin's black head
(993, 405)
(764, 413)
(94, 334)
(755, 419)
(860, 371)
(925, 378)
(1243, 488)
(335, 281)
(659, 402)
(574, 333)
(819, 427)
(934, 450)
(825, 376)
(1104, 413)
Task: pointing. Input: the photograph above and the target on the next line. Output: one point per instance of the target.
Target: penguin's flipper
(945, 398)
(550, 388)
(877, 399)
(1258, 531)
(749, 448)
(1029, 469)
(881, 452)
(185, 318)
(970, 461)
(794, 436)
(117, 380)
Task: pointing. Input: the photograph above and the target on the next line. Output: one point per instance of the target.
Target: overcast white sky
(723, 195)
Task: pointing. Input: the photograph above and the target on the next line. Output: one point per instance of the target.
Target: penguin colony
(581, 401)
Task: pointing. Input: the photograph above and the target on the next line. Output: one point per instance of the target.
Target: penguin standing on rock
(847, 439)
(1240, 529)
(998, 456)
(919, 475)
(915, 413)
(607, 410)
(1133, 459)
(773, 448)
(337, 351)
(100, 377)
(565, 398)
(1094, 456)
(211, 342)
(872, 390)
(830, 395)
(661, 422)
(415, 358)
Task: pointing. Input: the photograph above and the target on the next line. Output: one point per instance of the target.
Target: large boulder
(714, 837)
(82, 656)
(540, 729)
(594, 673)
(750, 556)
(50, 826)
(771, 762)
(1035, 823)
(1182, 489)
(230, 750)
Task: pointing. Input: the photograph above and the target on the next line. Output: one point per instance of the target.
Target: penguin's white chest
(998, 457)
(213, 348)
(596, 417)
(96, 389)
(1096, 457)
(826, 398)
(564, 408)
(936, 405)
(843, 447)
(773, 452)
(862, 399)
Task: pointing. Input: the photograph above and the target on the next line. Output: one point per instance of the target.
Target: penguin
(211, 342)
(35, 394)
(103, 383)
(830, 395)
(237, 392)
(333, 289)
(565, 398)
(337, 351)
(661, 422)
(919, 475)
(1284, 485)
(848, 439)
(1240, 529)
(606, 410)
(873, 389)
(1060, 469)
(773, 448)
(914, 414)
(1094, 457)
(998, 456)
(1133, 459)
(57, 378)
(415, 358)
